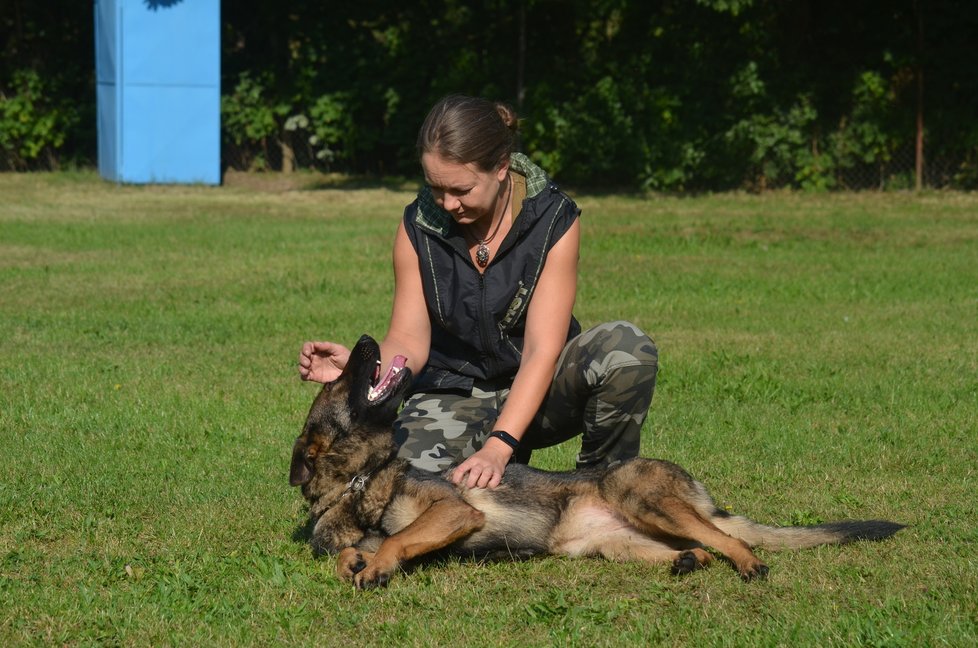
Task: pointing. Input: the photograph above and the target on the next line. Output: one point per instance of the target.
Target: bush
(33, 123)
(333, 127)
(261, 133)
(590, 140)
(780, 148)
(865, 137)
(250, 124)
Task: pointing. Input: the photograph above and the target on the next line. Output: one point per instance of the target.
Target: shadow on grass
(355, 183)
(302, 533)
(305, 180)
(277, 182)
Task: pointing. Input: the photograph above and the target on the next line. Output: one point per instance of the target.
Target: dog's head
(359, 402)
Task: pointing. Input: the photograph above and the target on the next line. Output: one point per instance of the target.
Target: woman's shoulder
(536, 179)
(541, 191)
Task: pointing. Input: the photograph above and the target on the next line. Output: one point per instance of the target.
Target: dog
(376, 512)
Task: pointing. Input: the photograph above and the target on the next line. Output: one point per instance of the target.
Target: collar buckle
(357, 484)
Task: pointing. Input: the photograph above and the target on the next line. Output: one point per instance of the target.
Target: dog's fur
(376, 511)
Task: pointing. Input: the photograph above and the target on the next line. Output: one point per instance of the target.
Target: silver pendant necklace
(482, 251)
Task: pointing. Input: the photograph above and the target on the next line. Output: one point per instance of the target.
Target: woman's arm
(547, 320)
(409, 333)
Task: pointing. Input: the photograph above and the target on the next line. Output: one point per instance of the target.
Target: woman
(485, 270)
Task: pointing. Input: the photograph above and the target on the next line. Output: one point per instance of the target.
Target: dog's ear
(301, 470)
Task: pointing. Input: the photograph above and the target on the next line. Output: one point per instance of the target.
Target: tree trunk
(919, 144)
(521, 58)
(288, 156)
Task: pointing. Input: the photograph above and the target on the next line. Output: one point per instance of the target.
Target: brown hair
(469, 129)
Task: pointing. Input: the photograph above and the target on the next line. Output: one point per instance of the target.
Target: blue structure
(158, 65)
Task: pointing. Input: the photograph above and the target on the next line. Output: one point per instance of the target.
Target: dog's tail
(801, 537)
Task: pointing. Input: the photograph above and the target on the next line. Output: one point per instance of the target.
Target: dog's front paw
(350, 562)
(372, 576)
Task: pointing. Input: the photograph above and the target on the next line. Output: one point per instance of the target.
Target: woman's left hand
(485, 468)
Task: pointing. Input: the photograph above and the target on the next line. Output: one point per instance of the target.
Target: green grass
(819, 360)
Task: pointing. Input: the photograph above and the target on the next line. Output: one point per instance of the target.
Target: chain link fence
(291, 150)
(942, 171)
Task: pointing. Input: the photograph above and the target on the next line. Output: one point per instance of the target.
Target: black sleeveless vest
(478, 320)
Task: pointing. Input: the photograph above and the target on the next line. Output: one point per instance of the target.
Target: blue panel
(159, 90)
(167, 129)
(107, 89)
(177, 44)
(108, 139)
(106, 40)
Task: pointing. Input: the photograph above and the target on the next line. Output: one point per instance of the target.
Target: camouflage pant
(601, 392)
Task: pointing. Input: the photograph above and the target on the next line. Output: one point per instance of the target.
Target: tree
(660, 94)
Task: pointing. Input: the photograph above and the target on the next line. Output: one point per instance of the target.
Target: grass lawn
(819, 361)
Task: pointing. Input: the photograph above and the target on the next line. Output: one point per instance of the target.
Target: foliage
(333, 126)
(711, 94)
(868, 135)
(47, 75)
(593, 139)
(34, 123)
(251, 121)
(778, 144)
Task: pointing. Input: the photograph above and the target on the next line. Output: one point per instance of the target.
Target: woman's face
(463, 190)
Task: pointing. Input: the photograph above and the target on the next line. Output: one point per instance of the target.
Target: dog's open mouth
(382, 387)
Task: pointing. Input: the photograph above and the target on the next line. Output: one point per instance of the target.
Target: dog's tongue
(397, 365)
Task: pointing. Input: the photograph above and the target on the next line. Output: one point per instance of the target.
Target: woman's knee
(634, 341)
(612, 346)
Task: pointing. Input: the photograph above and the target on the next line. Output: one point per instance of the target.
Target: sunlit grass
(818, 361)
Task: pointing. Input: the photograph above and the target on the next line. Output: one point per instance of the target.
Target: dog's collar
(357, 484)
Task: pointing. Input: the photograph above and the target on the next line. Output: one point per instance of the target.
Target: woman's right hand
(322, 361)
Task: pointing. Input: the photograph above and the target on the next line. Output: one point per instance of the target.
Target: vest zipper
(484, 326)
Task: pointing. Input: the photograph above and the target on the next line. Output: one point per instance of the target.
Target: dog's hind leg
(662, 500)
(590, 527)
(645, 549)
(442, 523)
(673, 516)
(691, 560)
